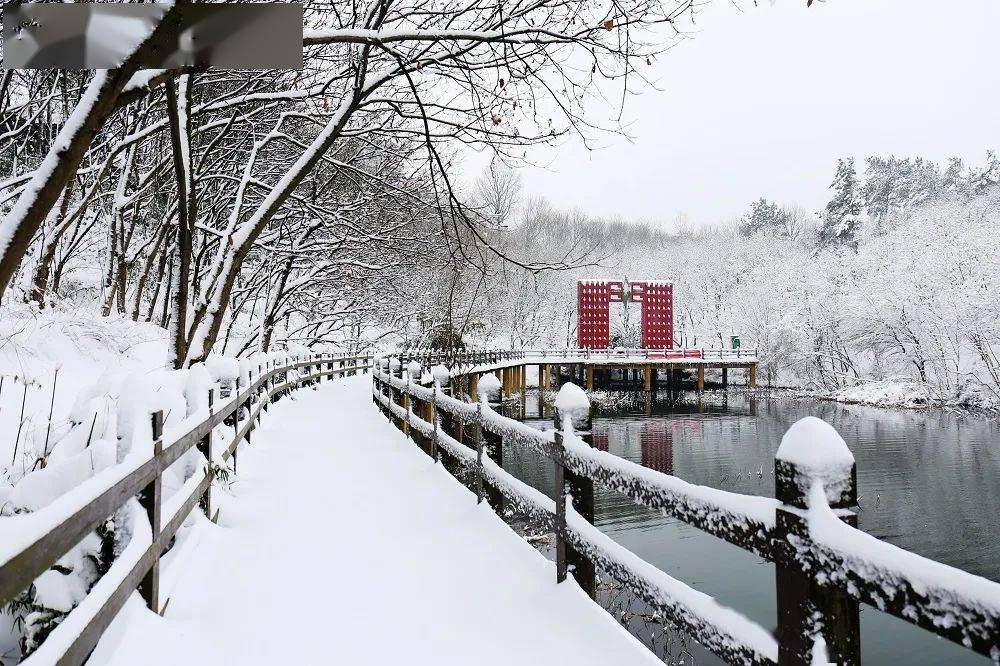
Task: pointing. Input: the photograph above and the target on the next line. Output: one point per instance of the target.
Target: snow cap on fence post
(441, 374)
(488, 386)
(413, 370)
(572, 402)
(813, 451)
(395, 367)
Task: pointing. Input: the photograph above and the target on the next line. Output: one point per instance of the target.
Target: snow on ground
(342, 543)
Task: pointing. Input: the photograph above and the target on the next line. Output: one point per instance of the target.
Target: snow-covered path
(344, 544)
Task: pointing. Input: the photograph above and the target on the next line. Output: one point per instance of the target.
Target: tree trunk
(180, 134)
(40, 278)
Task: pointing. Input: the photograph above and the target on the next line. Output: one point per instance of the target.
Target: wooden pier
(643, 369)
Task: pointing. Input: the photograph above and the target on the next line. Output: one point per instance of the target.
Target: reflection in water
(657, 444)
(927, 481)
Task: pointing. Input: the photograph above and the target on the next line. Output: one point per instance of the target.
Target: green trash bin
(736, 341)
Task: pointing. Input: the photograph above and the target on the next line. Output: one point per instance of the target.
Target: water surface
(928, 481)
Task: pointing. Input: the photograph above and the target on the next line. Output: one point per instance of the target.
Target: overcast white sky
(762, 102)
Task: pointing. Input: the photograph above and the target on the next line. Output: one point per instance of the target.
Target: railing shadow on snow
(50, 533)
(824, 565)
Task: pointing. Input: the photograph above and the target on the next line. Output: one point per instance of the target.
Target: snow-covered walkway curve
(342, 543)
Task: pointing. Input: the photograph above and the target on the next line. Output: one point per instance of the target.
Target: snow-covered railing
(824, 565)
(723, 630)
(32, 543)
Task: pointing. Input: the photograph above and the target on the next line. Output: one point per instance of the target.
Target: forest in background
(895, 279)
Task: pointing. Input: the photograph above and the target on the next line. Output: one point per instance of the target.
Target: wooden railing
(821, 576)
(59, 528)
(461, 360)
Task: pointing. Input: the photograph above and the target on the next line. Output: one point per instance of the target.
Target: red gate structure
(594, 299)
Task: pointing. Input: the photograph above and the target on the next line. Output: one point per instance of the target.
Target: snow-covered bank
(912, 395)
(343, 543)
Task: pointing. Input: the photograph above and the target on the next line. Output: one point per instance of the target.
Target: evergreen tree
(840, 219)
(765, 217)
(882, 191)
(988, 176)
(955, 180)
(893, 183)
(923, 182)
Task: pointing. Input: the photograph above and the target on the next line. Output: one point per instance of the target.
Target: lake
(928, 481)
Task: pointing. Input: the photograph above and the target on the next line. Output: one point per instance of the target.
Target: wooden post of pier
(725, 377)
(590, 378)
(701, 378)
(752, 375)
(523, 372)
(812, 452)
(647, 383)
(150, 499)
(474, 387)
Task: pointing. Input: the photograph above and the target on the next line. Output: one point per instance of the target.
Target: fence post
(479, 452)
(560, 524)
(812, 452)
(406, 406)
(150, 500)
(266, 388)
(236, 422)
(248, 405)
(495, 452)
(581, 488)
(434, 420)
(205, 447)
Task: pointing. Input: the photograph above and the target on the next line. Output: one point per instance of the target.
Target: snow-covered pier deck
(342, 543)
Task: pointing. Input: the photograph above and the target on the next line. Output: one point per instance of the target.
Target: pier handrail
(57, 528)
(832, 560)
